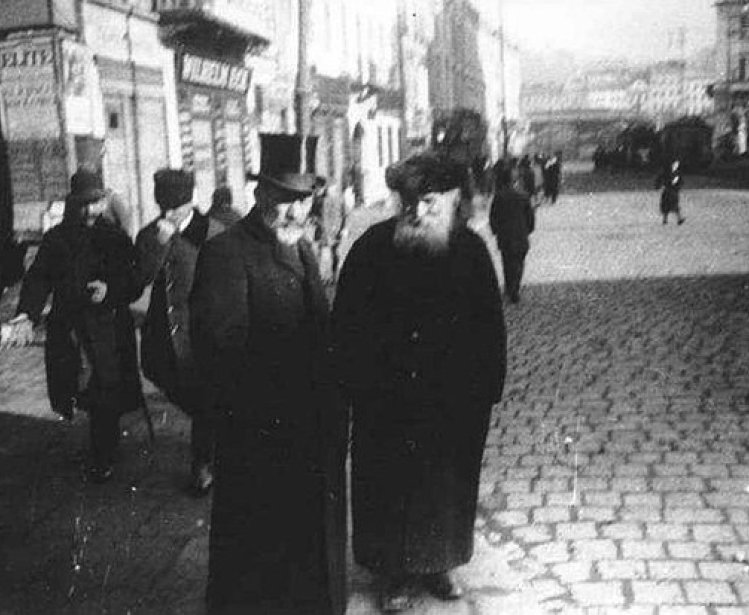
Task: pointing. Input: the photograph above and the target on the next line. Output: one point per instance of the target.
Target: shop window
(742, 69)
(114, 120)
(744, 25)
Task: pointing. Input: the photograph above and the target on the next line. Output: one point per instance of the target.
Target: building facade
(731, 89)
(212, 41)
(83, 83)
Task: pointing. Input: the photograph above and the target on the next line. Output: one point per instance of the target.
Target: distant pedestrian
(259, 323)
(420, 345)
(222, 214)
(527, 178)
(167, 252)
(512, 220)
(670, 180)
(553, 177)
(88, 267)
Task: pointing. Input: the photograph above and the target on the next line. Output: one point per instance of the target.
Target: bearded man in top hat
(260, 326)
(88, 266)
(167, 253)
(420, 341)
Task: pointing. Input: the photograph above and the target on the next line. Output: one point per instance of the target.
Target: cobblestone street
(616, 475)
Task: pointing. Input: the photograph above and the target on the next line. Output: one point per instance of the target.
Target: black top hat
(281, 162)
(86, 187)
(173, 187)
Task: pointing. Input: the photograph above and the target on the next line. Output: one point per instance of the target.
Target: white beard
(289, 235)
(432, 237)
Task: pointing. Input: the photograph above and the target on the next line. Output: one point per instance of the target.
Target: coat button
(170, 310)
(414, 375)
(174, 329)
(414, 336)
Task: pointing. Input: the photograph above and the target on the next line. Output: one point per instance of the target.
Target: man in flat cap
(88, 267)
(259, 326)
(420, 346)
(167, 252)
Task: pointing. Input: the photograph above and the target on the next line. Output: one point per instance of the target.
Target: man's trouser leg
(513, 265)
(104, 428)
(202, 439)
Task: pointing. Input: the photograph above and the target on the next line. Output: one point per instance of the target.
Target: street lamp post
(301, 94)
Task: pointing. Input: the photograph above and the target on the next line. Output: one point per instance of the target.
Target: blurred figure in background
(670, 180)
(512, 220)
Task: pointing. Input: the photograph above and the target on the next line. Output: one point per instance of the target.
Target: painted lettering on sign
(26, 58)
(214, 73)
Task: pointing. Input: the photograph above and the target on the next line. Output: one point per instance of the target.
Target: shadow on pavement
(138, 544)
(633, 181)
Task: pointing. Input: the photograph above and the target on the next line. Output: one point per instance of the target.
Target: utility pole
(503, 82)
(301, 95)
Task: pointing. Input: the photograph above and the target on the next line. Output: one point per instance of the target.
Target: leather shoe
(443, 586)
(395, 597)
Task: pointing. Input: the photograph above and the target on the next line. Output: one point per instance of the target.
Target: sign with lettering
(214, 73)
(28, 89)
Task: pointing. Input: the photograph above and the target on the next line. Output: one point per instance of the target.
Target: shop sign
(28, 91)
(214, 73)
(84, 112)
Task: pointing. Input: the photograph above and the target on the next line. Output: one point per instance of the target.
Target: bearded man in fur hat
(420, 341)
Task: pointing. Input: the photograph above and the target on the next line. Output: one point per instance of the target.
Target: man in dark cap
(512, 219)
(259, 326)
(420, 347)
(167, 252)
(88, 266)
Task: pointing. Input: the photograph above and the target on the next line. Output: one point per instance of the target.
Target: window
(380, 152)
(114, 120)
(259, 100)
(744, 25)
(390, 145)
(742, 69)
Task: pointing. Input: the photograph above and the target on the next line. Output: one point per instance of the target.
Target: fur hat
(426, 172)
(85, 187)
(173, 187)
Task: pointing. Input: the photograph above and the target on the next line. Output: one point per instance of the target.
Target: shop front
(212, 81)
(214, 123)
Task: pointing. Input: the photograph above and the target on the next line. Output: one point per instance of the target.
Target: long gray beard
(289, 235)
(422, 238)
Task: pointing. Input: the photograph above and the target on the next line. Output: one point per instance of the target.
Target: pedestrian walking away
(553, 177)
(512, 219)
(420, 351)
(260, 330)
(670, 180)
(88, 267)
(167, 252)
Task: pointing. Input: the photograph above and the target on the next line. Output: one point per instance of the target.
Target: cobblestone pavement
(616, 475)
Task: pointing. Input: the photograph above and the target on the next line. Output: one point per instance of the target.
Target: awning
(203, 27)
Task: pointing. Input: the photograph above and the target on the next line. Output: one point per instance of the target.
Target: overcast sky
(639, 29)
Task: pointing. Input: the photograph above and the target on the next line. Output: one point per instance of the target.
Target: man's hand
(17, 333)
(164, 230)
(97, 291)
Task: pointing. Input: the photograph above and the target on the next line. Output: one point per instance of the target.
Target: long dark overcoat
(278, 527)
(420, 345)
(166, 349)
(69, 257)
(512, 220)
(671, 182)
